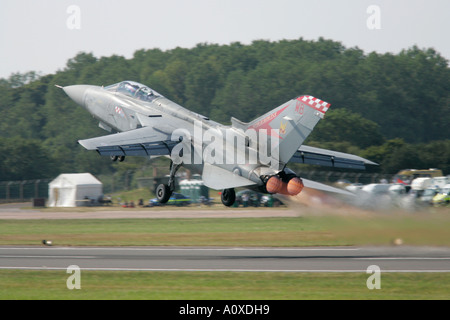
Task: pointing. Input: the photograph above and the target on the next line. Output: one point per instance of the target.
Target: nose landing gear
(115, 158)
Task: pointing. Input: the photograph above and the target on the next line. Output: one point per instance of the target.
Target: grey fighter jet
(142, 122)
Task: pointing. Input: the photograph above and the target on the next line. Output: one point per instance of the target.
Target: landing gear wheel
(163, 193)
(121, 158)
(114, 158)
(228, 197)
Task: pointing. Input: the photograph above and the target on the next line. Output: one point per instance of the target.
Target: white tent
(74, 190)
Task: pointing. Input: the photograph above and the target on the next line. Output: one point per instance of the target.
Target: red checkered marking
(315, 103)
(119, 110)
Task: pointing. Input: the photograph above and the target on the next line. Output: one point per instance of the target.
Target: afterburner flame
(274, 184)
(295, 186)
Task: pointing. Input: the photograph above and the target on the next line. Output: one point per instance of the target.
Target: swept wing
(329, 158)
(145, 141)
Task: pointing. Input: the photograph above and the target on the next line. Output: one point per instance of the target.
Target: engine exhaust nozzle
(274, 184)
(295, 186)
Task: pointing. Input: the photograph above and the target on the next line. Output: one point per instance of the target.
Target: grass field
(298, 231)
(25, 284)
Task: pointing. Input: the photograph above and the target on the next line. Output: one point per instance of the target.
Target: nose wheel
(115, 158)
(228, 197)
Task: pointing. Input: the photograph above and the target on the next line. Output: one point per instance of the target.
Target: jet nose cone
(77, 93)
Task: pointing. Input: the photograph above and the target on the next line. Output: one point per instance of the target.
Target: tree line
(391, 108)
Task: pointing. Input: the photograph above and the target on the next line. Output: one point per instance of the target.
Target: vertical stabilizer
(291, 123)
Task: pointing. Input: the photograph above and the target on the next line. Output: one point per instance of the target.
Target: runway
(16, 212)
(323, 259)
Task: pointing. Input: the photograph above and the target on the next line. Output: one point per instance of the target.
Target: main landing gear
(228, 197)
(164, 191)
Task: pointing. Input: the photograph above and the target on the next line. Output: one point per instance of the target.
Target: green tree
(25, 159)
(343, 125)
(202, 82)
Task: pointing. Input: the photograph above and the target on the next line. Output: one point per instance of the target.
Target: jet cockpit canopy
(134, 90)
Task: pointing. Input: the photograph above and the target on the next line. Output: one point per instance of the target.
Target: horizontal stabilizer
(329, 158)
(218, 178)
(323, 187)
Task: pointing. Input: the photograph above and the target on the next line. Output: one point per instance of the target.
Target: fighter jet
(142, 122)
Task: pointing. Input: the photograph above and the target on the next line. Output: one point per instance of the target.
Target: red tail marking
(315, 103)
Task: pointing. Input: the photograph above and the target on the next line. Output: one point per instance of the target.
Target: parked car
(428, 195)
(177, 199)
(250, 198)
(269, 200)
(442, 198)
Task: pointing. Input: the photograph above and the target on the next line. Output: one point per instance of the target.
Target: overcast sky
(41, 35)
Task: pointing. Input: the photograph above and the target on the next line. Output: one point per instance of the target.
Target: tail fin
(294, 121)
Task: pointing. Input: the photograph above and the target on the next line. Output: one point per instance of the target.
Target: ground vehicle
(419, 185)
(443, 197)
(374, 196)
(439, 182)
(397, 190)
(269, 200)
(250, 198)
(177, 199)
(408, 175)
(428, 195)
(376, 188)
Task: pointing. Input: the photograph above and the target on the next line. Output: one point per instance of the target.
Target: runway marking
(52, 257)
(228, 270)
(402, 258)
(187, 249)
